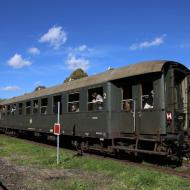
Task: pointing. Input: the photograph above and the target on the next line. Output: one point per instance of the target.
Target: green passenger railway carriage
(144, 109)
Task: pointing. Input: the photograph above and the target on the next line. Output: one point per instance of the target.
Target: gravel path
(15, 177)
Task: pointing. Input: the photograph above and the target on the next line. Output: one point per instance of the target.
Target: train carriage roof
(110, 75)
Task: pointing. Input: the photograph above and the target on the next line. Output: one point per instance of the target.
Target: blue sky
(43, 41)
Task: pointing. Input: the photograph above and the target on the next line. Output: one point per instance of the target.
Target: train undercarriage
(131, 147)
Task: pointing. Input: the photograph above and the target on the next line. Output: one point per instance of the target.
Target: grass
(94, 173)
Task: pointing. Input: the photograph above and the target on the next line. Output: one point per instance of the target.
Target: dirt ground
(15, 177)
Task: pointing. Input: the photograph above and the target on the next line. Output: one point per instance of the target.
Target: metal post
(58, 115)
(134, 115)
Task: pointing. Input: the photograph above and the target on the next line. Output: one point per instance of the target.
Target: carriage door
(128, 107)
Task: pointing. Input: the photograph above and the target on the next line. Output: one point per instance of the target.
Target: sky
(43, 41)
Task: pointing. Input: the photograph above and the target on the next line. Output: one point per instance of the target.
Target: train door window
(57, 99)
(147, 98)
(20, 106)
(73, 104)
(127, 101)
(44, 106)
(95, 99)
(28, 108)
(13, 109)
(35, 106)
(8, 110)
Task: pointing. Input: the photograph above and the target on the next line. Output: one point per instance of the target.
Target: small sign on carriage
(169, 116)
(57, 129)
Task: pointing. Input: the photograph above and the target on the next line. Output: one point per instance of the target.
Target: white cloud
(10, 88)
(82, 48)
(18, 62)
(34, 51)
(55, 37)
(146, 44)
(74, 63)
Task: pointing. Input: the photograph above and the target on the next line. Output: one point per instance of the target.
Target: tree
(77, 74)
(39, 88)
(2, 99)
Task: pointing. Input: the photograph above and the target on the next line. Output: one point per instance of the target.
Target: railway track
(182, 171)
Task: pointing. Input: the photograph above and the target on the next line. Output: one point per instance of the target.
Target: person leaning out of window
(97, 100)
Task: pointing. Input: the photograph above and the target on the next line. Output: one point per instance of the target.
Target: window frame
(73, 102)
(129, 100)
(35, 108)
(151, 95)
(61, 103)
(27, 108)
(41, 107)
(103, 97)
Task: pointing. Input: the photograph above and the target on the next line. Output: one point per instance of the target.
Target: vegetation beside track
(81, 172)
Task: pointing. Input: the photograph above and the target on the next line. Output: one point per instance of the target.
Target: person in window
(35, 105)
(149, 101)
(97, 99)
(13, 109)
(127, 106)
(74, 108)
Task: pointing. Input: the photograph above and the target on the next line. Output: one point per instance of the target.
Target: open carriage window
(73, 104)
(127, 101)
(13, 109)
(57, 99)
(96, 99)
(8, 110)
(20, 106)
(147, 98)
(35, 106)
(28, 108)
(44, 106)
(3, 111)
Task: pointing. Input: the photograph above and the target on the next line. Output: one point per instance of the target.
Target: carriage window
(35, 106)
(96, 99)
(20, 108)
(3, 111)
(28, 106)
(147, 97)
(57, 99)
(127, 101)
(178, 89)
(73, 104)
(13, 109)
(8, 109)
(44, 106)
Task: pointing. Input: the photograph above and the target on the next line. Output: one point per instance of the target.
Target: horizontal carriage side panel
(152, 122)
(121, 123)
(147, 123)
(85, 124)
(73, 124)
